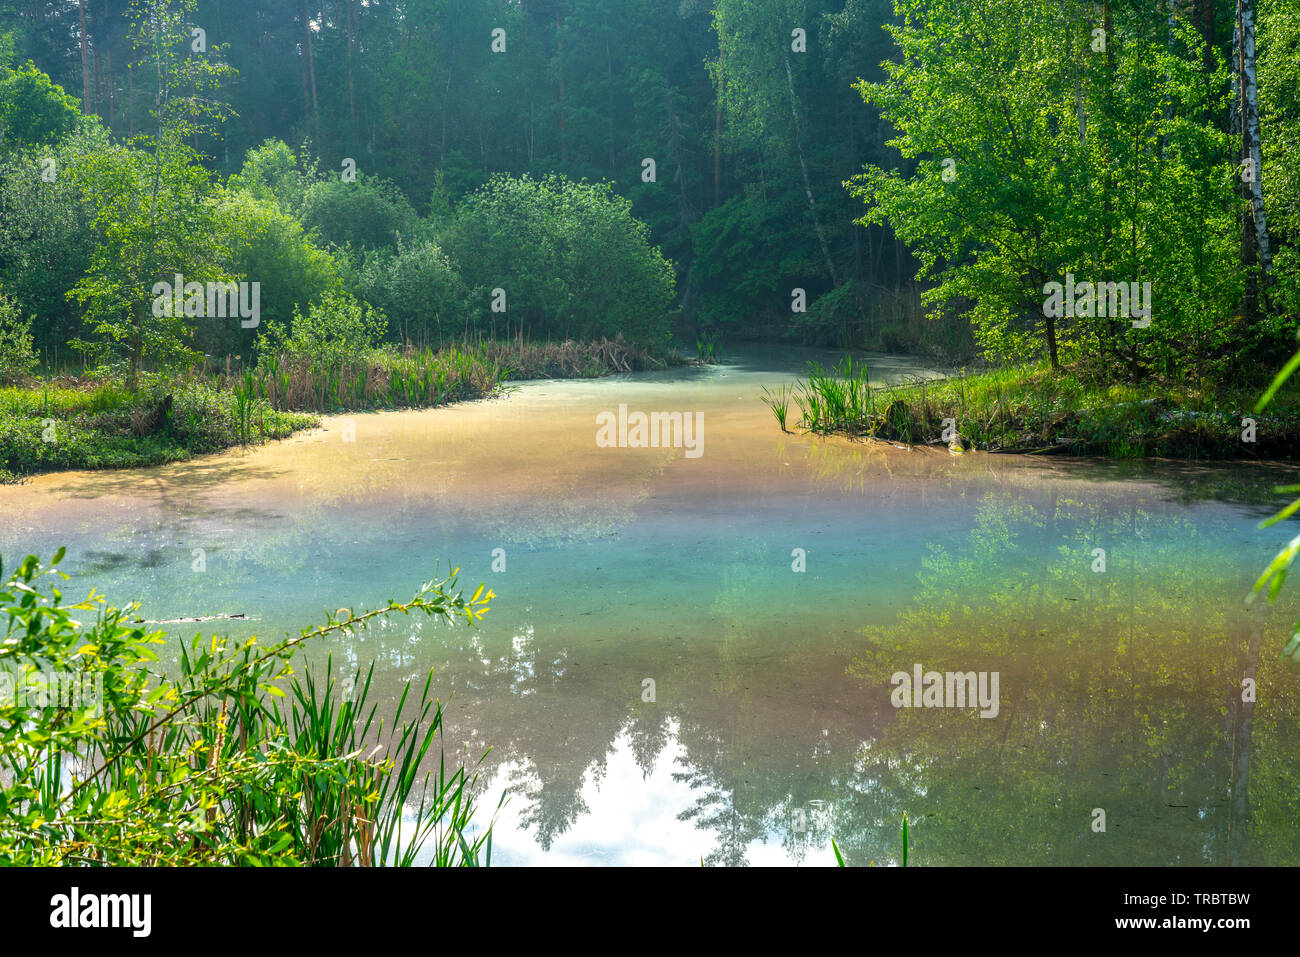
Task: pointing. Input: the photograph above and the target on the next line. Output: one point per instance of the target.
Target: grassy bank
(104, 421)
(72, 423)
(1028, 409)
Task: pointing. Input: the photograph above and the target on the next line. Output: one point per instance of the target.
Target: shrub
(17, 351)
(367, 214)
(46, 238)
(573, 261)
(272, 173)
(338, 326)
(418, 289)
(210, 761)
(264, 244)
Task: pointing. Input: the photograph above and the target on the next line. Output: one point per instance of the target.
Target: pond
(696, 656)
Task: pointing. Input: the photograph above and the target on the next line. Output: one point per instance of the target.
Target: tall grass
(839, 856)
(372, 379)
(1031, 409)
(235, 760)
(779, 403)
(389, 377)
(364, 815)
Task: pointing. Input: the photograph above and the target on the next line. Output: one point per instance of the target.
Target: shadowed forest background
(1118, 162)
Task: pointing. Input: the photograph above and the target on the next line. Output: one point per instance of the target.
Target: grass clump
(1030, 409)
(71, 424)
(106, 759)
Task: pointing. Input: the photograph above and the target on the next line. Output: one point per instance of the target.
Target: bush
(418, 289)
(367, 214)
(573, 261)
(17, 351)
(46, 238)
(209, 761)
(264, 244)
(272, 173)
(336, 327)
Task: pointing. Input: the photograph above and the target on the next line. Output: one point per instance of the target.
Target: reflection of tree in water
(1118, 691)
(727, 807)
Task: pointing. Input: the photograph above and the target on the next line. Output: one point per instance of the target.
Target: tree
(569, 259)
(46, 237)
(33, 110)
(155, 210)
(1256, 254)
(1040, 154)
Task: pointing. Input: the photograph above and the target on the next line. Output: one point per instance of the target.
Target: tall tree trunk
(1204, 17)
(717, 130)
(446, 95)
(609, 74)
(559, 59)
(1256, 256)
(108, 56)
(306, 83)
(85, 60)
(99, 74)
(807, 184)
(352, 90)
(311, 67)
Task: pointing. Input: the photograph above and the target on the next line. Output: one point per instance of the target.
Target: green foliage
(262, 243)
(48, 426)
(1275, 574)
(1065, 160)
(337, 327)
(1030, 409)
(366, 214)
(272, 173)
(418, 289)
(46, 237)
(154, 211)
(210, 762)
(175, 229)
(1279, 72)
(573, 261)
(748, 260)
(17, 349)
(33, 111)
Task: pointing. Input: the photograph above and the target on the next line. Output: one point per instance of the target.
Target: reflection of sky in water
(1118, 690)
(638, 824)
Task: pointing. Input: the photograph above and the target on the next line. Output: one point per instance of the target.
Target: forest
(906, 177)
(301, 298)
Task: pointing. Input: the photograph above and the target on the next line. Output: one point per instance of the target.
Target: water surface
(771, 727)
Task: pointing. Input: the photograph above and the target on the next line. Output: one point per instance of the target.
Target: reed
(235, 760)
(779, 403)
(1031, 409)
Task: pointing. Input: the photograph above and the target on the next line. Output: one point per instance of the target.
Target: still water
(691, 657)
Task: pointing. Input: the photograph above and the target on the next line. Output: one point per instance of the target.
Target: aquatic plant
(779, 403)
(839, 857)
(226, 757)
(1028, 409)
(839, 399)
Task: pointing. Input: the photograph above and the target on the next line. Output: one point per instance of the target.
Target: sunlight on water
(771, 727)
